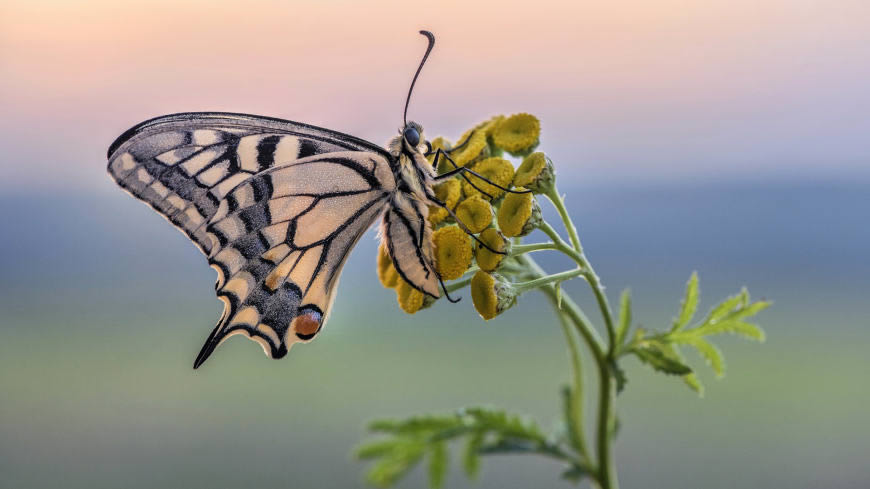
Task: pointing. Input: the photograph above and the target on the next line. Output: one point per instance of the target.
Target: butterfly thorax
(413, 172)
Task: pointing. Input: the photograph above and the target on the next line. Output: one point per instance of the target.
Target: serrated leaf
(689, 305)
(438, 462)
(725, 307)
(389, 469)
(659, 360)
(746, 330)
(624, 317)
(470, 457)
(375, 449)
(710, 353)
(503, 447)
(692, 381)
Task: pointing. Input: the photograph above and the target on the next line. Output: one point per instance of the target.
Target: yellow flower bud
(519, 134)
(491, 294)
(536, 173)
(475, 213)
(452, 252)
(448, 192)
(487, 260)
(519, 214)
(387, 273)
(410, 299)
(495, 169)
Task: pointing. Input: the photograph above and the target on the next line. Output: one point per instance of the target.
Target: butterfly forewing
(275, 205)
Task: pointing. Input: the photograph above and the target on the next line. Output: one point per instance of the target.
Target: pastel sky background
(727, 137)
(631, 90)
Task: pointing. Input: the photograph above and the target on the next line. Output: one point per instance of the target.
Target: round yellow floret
(452, 252)
(518, 134)
(487, 260)
(495, 169)
(410, 299)
(468, 149)
(489, 126)
(475, 213)
(387, 273)
(448, 192)
(519, 214)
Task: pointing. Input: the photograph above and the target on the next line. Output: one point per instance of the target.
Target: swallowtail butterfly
(276, 206)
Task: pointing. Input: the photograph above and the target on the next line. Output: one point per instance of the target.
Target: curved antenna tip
(431, 38)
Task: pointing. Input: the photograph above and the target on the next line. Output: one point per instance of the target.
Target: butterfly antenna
(431, 38)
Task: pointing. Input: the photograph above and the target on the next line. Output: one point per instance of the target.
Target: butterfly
(276, 207)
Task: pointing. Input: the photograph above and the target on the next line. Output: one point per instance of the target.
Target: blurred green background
(729, 138)
(105, 307)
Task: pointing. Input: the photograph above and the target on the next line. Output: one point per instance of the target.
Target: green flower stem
(606, 473)
(553, 195)
(594, 282)
(547, 279)
(528, 248)
(576, 392)
(560, 243)
(454, 286)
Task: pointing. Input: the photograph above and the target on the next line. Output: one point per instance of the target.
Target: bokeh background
(732, 138)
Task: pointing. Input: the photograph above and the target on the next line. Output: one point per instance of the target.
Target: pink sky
(646, 90)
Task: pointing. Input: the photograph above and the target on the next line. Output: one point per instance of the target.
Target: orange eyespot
(307, 324)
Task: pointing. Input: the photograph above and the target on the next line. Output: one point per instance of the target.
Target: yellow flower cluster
(481, 208)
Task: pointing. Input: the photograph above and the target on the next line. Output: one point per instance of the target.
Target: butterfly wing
(183, 165)
(407, 234)
(276, 206)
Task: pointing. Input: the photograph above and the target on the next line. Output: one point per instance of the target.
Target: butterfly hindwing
(406, 231)
(275, 205)
(279, 244)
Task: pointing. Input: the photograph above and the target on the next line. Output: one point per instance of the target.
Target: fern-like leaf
(690, 304)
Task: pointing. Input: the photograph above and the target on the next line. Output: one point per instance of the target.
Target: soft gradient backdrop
(725, 137)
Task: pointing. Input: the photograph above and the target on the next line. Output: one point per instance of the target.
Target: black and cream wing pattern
(276, 206)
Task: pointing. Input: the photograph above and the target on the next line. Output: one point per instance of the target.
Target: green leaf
(470, 457)
(710, 353)
(389, 469)
(740, 328)
(503, 447)
(726, 306)
(375, 449)
(438, 462)
(624, 317)
(658, 359)
(692, 381)
(690, 303)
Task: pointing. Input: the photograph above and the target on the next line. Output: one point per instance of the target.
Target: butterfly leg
(462, 170)
(462, 225)
(439, 153)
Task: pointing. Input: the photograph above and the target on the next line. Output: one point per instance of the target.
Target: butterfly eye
(412, 136)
